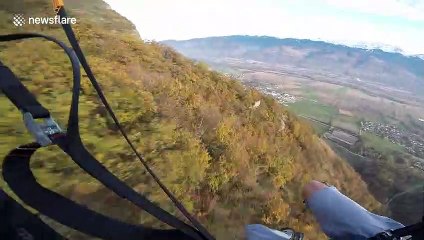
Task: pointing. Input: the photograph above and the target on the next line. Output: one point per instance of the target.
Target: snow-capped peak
(376, 45)
(381, 46)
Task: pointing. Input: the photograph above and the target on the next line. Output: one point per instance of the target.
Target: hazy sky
(394, 22)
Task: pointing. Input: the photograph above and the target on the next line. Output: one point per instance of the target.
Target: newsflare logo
(20, 20)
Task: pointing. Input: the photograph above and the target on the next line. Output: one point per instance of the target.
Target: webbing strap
(19, 94)
(86, 161)
(18, 223)
(75, 45)
(71, 144)
(17, 173)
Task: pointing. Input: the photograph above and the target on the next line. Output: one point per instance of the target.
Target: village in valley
(412, 142)
(354, 140)
(281, 97)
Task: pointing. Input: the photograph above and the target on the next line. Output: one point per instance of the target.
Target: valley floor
(381, 137)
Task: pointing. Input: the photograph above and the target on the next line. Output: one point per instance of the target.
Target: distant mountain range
(365, 62)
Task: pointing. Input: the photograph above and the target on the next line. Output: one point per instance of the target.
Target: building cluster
(283, 98)
(341, 137)
(413, 143)
(419, 165)
(238, 76)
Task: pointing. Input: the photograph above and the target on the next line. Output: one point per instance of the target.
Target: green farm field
(318, 111)
(381, 145)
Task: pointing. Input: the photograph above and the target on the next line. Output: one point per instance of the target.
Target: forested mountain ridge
(229, 163)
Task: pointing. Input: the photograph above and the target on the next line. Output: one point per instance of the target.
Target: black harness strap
(17, 223)
(75, 45)
(86, 161)
(18, 175)
(19, 94)
(72, 144)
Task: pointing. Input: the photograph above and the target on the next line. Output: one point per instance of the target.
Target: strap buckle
(41, 131)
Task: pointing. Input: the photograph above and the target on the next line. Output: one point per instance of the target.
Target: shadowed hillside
(230, 164)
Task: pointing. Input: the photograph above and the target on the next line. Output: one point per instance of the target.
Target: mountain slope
(229, 163)
(391, 69)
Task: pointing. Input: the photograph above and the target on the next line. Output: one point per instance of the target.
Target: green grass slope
(228, 163)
